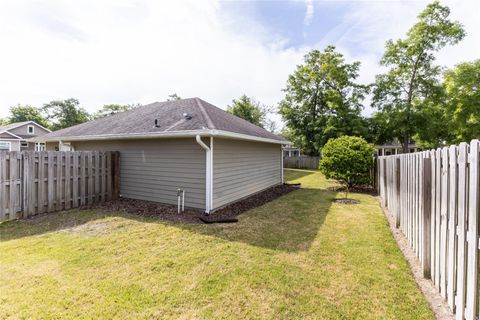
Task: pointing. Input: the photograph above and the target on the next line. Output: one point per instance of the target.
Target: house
(290, 150)
(189, 144)
(14, 136)
(394, 147)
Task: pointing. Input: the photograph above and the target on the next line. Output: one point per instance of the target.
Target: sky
(141, 51)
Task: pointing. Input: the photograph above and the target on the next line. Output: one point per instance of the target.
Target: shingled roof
(179, 118)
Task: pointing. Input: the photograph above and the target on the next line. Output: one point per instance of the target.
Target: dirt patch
(346, 201)
(169, 212)
(366, 189)
(437, 303)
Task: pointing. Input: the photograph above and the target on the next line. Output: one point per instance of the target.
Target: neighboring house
(187, 144)
(14, 136)
(291, 151)
(394, 147)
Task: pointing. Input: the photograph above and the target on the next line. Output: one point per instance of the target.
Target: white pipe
(178, 202)
(183, 200)
(208, 176)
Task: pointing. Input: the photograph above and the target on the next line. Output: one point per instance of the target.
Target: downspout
(208, 175)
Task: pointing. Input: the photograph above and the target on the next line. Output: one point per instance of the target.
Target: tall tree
(65, 113)
(323, 100)
(462, 85)
(21, 113)
(110, 109)
(412, 75)
(248, 109)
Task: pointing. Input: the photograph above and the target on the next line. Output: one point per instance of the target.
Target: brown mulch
(169, 212)
(346, 201)
(357, 189)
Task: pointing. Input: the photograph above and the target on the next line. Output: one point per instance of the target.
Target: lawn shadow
(289, 223)
(295, 174)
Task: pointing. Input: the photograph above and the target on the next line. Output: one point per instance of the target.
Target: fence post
(472, 234)
(427, 216)
(397, 195)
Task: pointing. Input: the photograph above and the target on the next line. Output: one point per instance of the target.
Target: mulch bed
(346, 201)
(169, 212)
(358, 189)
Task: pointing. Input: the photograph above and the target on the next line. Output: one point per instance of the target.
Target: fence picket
(452, 223)
(472, 234)
(435, 197)
(461, 230)
(38, 182)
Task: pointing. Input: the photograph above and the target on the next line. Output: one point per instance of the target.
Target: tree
(174, 97)
(247, 109)
(110, 109)
(323, 100)
(21, 113)
(347, 159)
(65, 113)
(462, 86)
(412, 76)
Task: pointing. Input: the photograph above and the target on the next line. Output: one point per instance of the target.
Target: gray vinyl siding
(23, 130)
(241, 168)
(153, 169)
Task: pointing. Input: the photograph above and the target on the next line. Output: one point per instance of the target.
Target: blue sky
(140, 51)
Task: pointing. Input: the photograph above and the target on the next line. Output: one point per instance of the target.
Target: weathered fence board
(302, 162)
(434, 197)
(46, 181)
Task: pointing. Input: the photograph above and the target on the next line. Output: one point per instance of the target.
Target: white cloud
(369, 24)
(308, 12)
(130, 51)
(135, 51)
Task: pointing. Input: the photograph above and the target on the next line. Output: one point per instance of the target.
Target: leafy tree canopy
(173, 97)
(347, 159)
(22, 113)
(248, 109)
(110, 109)
(462, 86)
(411, 83)
(323, 100)
(65, 113)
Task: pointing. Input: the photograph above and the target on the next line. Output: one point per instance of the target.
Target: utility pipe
(208, 176)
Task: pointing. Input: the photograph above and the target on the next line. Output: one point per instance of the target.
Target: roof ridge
(205, 115)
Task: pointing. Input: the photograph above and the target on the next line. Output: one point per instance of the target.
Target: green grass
(298, 257)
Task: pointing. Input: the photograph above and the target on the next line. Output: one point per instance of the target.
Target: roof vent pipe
(187, 116)
(157, 123)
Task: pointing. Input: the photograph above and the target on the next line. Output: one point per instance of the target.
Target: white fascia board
(241, 136)
(153, 135)
(39, 125)
(12, 134)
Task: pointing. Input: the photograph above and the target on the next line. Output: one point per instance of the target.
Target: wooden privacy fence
(434, 196)
(47, 181)
(302, 162)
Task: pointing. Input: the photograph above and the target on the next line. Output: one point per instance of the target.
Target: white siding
(241, 168)
(153, 169)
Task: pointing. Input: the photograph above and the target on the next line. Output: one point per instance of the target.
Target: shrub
(347, 159)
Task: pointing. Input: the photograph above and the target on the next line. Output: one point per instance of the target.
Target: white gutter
(167, 134)
(208, 172)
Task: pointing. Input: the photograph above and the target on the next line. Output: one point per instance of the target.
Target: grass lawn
(298, 257)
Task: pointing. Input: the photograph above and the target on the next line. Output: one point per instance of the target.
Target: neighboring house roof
(171, 121)
(9, 135)
(14, 125)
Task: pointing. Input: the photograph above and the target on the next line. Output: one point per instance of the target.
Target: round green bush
(347, 159)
